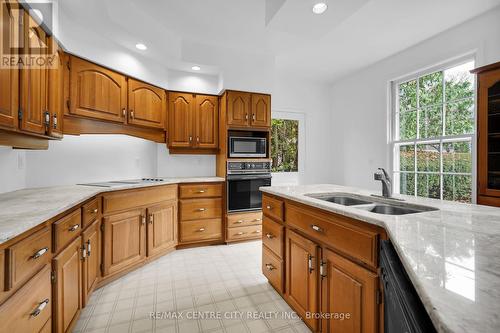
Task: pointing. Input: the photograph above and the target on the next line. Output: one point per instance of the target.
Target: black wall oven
(243, 182)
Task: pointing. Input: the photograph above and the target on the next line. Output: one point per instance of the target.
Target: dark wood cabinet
(348, 290)
(91, 261)
(67, 293)
(34, 80)
(9, 77)
(147, 105)
(162, 228)
(193, 121)
(124, 242)
(302, 276)
(238, 108)
(97, 92)
(261, 110)
(488, 124)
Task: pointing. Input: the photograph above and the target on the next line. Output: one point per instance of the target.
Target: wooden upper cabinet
(162, 228)
(67, 291)
(350, 289)
(147, 105)
(124, 242)
(97, 92)
(302, 276)
(238, 108)
(207, 121)
(261, 110)
(180, 122)
(9, 77)
(34, 79)
(56, 90)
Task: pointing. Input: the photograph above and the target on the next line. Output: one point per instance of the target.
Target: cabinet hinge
(102, 227)
(322, 267)
(53, 276)
(379, 297)
(68, 104)
(20, 114)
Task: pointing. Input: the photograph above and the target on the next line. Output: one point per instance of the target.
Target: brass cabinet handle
(40, 307)
(253, 117)
(201, 229)
(54, 121)
(257, 220)
(95, 211)
(40, 253)
(84, 252)
(190, 138)
(240, 233)
(201, 209)
(131, 113)
(269, 207)
(88, 248)
(310, 263)
(316, 228)
(124, 112)
(270, 236)
(198, 139)
(246, 116)
(270, 267)
(240, 221)
(143, 218)
(151, 218)
(73, 228)
(256, 232)
(200, 191)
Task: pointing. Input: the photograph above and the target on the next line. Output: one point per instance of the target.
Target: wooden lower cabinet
(91, 262)
(162, 228)
(124, 240)
(348, 290)
(67, 288)
(302, 277)
(29, 309)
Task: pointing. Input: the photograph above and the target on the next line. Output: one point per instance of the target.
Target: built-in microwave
(247, 146)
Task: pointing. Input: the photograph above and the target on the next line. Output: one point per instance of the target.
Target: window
(285, 145)
(434, 124)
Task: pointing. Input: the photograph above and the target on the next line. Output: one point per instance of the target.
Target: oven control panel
(248, 167)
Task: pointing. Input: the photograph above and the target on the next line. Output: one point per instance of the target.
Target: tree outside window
(285, 145)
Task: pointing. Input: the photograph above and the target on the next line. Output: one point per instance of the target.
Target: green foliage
(284, 145)
(444, 96)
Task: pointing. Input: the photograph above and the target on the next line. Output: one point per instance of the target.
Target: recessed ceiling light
(196, 68)
(320, 8)
(141, 46)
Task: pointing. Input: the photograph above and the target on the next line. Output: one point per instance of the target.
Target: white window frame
(292, 178)
(394, 126)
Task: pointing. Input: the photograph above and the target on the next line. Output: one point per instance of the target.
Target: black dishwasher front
(403, 309)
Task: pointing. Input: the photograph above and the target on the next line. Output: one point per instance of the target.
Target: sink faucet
(383, 176)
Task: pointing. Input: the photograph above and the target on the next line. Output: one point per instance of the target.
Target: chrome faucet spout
(384, 177)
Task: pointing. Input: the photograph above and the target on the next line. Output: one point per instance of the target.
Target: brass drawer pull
(240, 233)
(316, 228)
(256, 232)
(201, 229)
(257, 220)
(201, 209)
(200, 191)
(95, 211)
(88, 248)
(269, 207)
(270, 236)
(40, 253)
(270, 267)
(40, 307)
(75, 227)
(240, 221)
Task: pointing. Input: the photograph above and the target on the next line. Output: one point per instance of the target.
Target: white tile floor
(221, 281)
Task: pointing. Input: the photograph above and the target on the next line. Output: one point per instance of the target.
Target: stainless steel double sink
(378, 205)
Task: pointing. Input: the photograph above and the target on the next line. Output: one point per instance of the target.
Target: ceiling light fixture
(320, 8)
(141, 46)
(196, 68)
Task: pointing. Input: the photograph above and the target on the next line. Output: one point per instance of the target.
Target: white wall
(360, 101)
(12, 169)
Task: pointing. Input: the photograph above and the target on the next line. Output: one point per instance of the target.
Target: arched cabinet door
(180, 122)
(238, 108)
(207, 120)
(147, 105)
(261, 110)
(97, 92)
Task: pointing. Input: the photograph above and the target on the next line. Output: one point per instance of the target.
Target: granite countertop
(452, 255)
(24, 209)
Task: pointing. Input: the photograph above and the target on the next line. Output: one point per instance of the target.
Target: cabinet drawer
(29, 309)
(272, 207)
(337, 232)
(197, 231)
(127, 200)
(242, 233)
(272, 236)
(196, 209)
(67, 229)
(27, 257)
(272, 267)
(90, 212)
(200, 191)
(244, 219)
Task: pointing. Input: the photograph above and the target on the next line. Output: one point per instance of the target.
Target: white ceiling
(350, 35)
